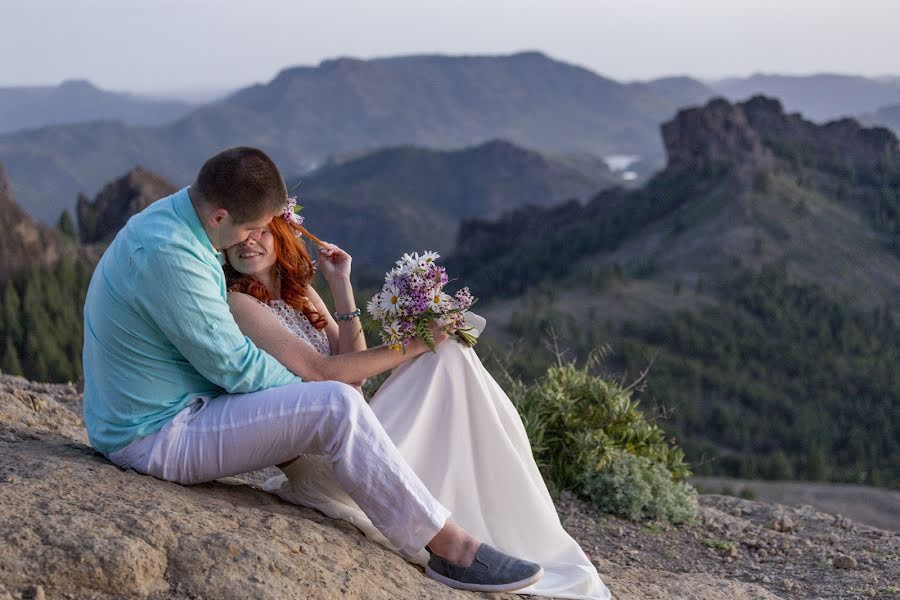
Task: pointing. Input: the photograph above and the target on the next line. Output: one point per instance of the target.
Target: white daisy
(390, 299)
(439, 302)
(393, 330)
(407, 261)
(429, 256)
(374, 307)
(393, 275)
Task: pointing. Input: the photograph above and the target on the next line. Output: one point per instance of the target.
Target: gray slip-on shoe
(491, 571)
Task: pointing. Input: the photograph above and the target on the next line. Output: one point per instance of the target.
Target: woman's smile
(253, 255)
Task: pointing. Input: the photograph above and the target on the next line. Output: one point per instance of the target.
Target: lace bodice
(300, 326)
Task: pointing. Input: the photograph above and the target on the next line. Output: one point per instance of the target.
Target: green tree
(65, 225)
(10, 364)
(12, 307)
(780, 467)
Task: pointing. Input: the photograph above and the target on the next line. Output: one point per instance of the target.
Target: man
(173, 388)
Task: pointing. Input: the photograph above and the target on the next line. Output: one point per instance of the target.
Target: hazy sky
(166, 45)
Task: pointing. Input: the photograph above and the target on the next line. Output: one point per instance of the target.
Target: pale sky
(180, 45)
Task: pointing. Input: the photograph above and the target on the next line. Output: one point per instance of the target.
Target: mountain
(413, 197)
(759, 273)
(820, 97)
(25, 243)
(404, 198)
(679, 90)
(77, 100)
(886, 116)
(743, 181)
(100, 220)
(306, 114)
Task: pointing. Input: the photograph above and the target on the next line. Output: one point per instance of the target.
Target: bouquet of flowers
(413, 298)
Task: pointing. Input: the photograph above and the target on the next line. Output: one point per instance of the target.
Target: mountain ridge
(79, 100)
(305, 114)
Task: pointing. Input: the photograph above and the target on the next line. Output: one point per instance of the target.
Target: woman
(447, 416)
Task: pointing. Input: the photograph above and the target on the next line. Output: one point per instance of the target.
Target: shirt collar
(185, 210)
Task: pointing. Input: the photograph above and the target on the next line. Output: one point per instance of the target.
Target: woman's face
(253, 257)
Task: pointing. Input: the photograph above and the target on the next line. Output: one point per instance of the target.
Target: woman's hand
(333, 262)
(439, 334)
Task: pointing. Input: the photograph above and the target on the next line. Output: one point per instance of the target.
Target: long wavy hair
(295, 265)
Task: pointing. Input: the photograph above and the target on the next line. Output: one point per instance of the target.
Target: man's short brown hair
(244, 181)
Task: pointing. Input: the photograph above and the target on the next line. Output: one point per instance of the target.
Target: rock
(100, 220)
(25, 242)
(641, 583)
(83, 529)
(35, 592)
(783, 523)
(75, 524)
(842, 561)
(718, 133)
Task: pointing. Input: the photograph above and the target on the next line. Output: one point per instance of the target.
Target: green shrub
(588, 436)
(638, 488)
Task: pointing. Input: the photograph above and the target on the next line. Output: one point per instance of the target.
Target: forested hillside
(759, 273)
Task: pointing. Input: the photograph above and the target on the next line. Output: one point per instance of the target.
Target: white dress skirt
(463, 437)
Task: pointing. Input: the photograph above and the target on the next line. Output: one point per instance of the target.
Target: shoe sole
(484, 587)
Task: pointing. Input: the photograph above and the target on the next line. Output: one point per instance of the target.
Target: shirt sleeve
(183, 296)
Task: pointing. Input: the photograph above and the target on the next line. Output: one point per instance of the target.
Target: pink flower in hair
(291, 213)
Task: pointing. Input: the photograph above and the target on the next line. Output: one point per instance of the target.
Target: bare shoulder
(312, 294)
(240, 302)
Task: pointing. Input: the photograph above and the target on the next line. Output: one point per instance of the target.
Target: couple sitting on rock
(207, 353)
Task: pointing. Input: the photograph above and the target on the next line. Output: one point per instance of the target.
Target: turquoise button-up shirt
(158, 331)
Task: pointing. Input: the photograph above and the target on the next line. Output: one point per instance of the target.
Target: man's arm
(181, 295)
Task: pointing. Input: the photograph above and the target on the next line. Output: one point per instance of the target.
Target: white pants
(237, 433)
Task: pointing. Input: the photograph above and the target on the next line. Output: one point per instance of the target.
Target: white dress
(463, 437)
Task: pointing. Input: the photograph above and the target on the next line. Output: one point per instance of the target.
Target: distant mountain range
(76, 101)
(744, 182)
(395, 200)
(819, 97)
(346, 105)
(888, 116)
(306, 114)
(381, 204)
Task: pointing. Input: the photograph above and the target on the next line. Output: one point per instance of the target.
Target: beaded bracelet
(347, 316)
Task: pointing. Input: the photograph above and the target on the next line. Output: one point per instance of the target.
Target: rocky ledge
(74, 526)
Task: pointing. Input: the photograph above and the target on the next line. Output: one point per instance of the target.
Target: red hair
(295, 265)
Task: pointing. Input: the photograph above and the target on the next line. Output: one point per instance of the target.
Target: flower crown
(291, 214)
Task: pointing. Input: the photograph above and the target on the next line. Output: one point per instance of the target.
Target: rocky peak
(716, 133)
(100, 220)
(25, 242)
(753, 134)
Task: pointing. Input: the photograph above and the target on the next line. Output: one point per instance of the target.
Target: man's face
(231, 233)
